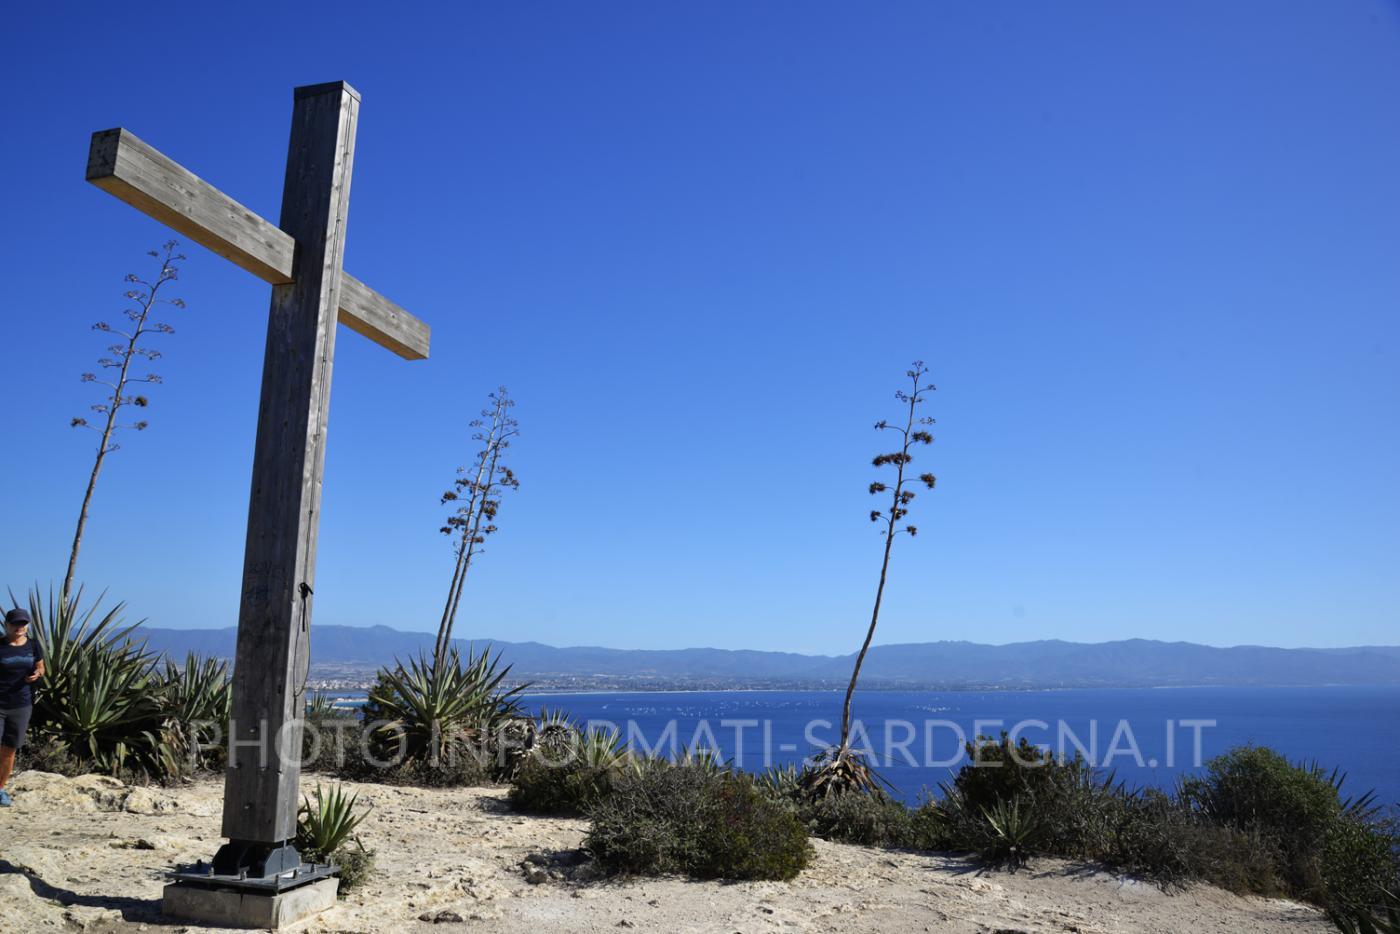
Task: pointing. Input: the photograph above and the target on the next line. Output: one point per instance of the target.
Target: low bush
(870, 819)
(568, 770)
(1360, 863)
(1070, 804)
(348, 754)
(686, 820)
(356, 865)
(1153, 837)
(564, 789)
(1252, 823)
(47, 754)
(1331, 850)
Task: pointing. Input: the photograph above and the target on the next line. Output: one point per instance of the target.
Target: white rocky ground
(89, 854)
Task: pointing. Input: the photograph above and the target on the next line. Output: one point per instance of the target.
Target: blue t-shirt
(17, 663)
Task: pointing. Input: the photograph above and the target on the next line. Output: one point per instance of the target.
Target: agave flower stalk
(127, 351)
(912, 433)
(478, 491)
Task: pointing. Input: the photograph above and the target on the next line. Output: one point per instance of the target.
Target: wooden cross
(301, 258)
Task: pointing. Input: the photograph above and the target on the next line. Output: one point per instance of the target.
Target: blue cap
(17, 617)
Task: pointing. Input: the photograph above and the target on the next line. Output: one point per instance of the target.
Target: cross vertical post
(279, 569)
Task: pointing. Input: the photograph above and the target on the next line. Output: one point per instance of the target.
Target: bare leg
(7, 764)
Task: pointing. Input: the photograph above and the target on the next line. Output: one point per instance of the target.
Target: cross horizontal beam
(122, 165)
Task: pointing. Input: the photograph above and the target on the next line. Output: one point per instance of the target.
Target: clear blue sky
(1150, 251)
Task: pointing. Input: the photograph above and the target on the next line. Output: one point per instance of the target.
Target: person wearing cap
(21, 664)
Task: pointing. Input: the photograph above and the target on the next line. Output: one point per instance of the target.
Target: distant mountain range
(1048, 663)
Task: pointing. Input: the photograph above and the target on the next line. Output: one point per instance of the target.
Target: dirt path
(90, 854)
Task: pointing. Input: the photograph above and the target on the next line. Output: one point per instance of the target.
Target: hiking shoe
(5, 799)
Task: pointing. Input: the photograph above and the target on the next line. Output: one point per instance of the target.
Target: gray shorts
(13, 723)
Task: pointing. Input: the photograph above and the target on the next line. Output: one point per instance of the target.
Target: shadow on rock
(131, 909)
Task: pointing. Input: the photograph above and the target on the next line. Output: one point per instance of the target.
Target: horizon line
(710, 648)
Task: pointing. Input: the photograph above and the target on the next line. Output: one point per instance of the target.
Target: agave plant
(601, 749)
(703, 758)
(321, 706)
(554, 730)
(1380, 919)
(781, 782)
(1012, 830)
(66, 632)
(839, 770)
(101, 696)
(1363, 807)
(113, 717)
(327, 821)
(434, 709)
(196, 698)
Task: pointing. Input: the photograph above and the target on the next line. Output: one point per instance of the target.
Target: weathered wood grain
(135, 172)
(279, 572)
(125, 166)
(366, 312)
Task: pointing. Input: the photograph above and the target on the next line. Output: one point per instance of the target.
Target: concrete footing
(234, 909)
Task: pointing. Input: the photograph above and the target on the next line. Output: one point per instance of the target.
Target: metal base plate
(203, 874)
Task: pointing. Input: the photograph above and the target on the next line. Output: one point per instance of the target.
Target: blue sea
(1145, 737)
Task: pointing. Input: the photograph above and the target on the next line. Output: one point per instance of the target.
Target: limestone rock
(146, 801)
(85, 918)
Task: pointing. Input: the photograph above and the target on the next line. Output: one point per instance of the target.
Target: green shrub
(346, 754)
(678, 819)
(332, 739)
(1360, 864)
(865, 819)
(1154, 837)
(46, 754)
(569, 774)
(1256, 789)
(356, 865)
(1071, 807)
(1252, 824)
(458, 772)
(1332, 851)
(998, 770)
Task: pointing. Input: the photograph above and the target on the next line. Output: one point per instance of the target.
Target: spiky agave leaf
(67, 631)
(1363, 807)
(327, 821)
(1369, 919)
(435, 708)
(781, 782)
(321, 706)
(703, 758)
(102, 694)
(840, 770)
(601, 749)
(196, 699)
(554, 731)
(1014, 828)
